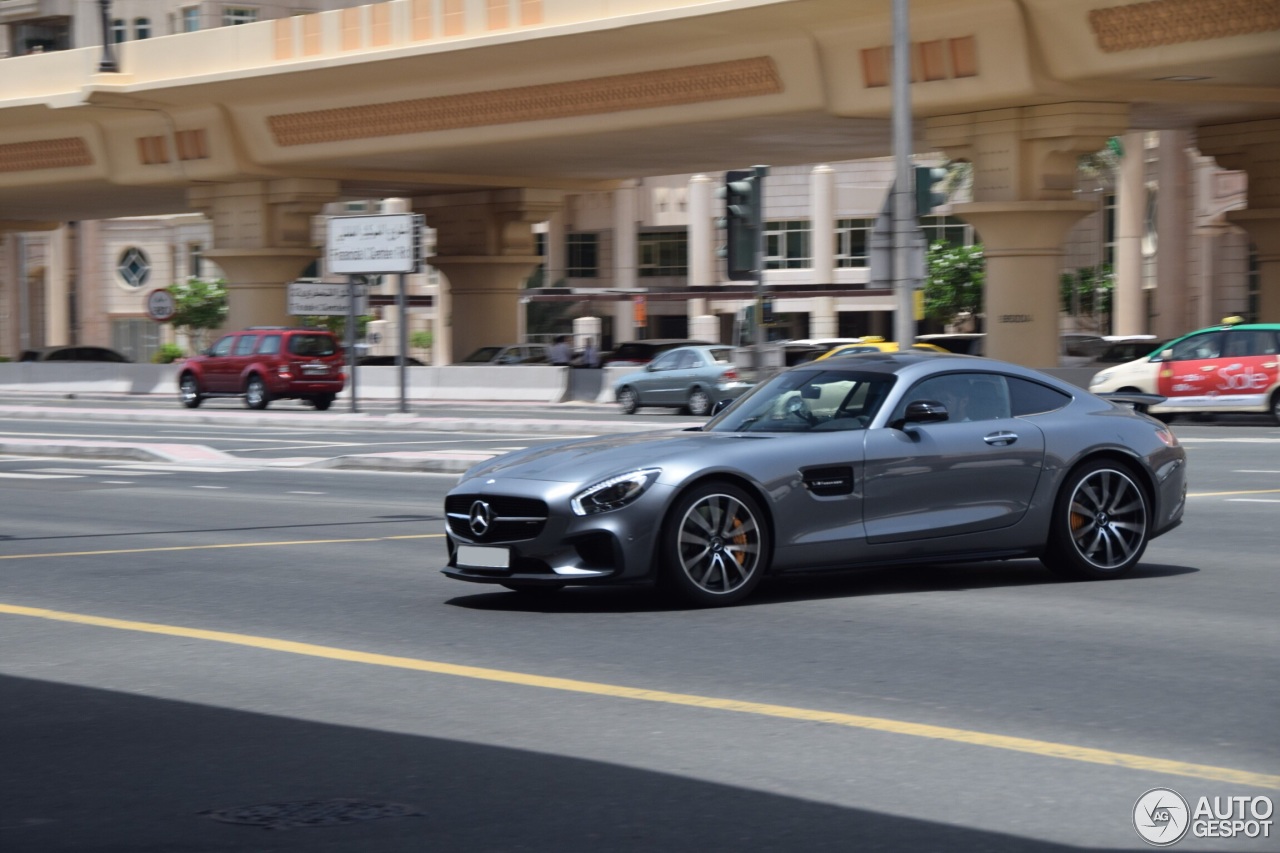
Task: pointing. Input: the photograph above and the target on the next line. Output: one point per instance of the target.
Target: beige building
(490, 117)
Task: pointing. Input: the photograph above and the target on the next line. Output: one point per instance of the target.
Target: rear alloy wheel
(628, 401)
(1101, 523)
(715, 545)
(699, 404)
(189, 392)
(256, 395)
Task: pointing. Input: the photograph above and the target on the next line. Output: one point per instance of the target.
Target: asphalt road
(184, 646)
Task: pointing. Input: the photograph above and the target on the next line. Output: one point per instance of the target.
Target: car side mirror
(922, 412)
(1166, 355)
(721, 406)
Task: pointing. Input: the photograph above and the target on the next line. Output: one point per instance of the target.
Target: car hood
(583, 460)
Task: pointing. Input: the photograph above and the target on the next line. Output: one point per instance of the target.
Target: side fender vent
(830, 481)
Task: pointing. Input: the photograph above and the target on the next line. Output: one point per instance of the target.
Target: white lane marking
(1253, 500)
(81, 472)
(307, 493)
(18, 476)
(166, 467)
(118, 482)
(1249, 471)
(208, 487)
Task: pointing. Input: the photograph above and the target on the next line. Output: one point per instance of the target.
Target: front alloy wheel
(1101, 523)
(189, 391)
(255, 393)
(628, 401)
(715, 545)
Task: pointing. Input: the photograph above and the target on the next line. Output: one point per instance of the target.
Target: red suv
(263, 364)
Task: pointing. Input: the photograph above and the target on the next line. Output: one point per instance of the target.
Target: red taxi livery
(1228, 368)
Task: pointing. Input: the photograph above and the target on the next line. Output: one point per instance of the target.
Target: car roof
(915, 363)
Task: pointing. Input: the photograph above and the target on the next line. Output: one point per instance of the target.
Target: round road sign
(161, 306)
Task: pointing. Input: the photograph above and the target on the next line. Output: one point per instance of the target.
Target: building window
(233, 15)
(190, 19)
(786, 245)
(142, 28)
(582, 255)
(853, 238)
(134, 267)
(195, 259)
(947, 229)
(119, 31)
(663, 253)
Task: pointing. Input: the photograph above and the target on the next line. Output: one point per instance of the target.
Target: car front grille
(511, 518)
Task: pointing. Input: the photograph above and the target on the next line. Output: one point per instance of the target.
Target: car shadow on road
(92, 769)
(857, 583)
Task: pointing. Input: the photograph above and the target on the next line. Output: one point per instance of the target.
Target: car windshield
(484, 355)
(807, 401)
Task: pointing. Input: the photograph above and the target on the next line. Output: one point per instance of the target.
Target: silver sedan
(870, 460)
(694, 379)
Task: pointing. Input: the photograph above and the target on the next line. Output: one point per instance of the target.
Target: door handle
(1206, 368)
(1000, 439)
(1271, 364)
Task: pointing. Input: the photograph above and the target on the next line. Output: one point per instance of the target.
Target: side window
(688, 360)
(1032, 398)
(1208, 345)
(223, 346)
(666, 361)
(245, 345)
(270, 345)
(967, 396)
(1249, 342)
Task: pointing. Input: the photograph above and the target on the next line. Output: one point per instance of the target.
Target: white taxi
(1234, 367)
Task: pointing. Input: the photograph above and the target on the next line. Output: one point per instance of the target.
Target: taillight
(730, 375)
(284, 371)
(1167, 436)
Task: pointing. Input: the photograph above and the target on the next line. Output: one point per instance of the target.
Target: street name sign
(374, 245)
(320, 299)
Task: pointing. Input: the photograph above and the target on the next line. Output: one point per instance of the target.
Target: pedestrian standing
(560, 354)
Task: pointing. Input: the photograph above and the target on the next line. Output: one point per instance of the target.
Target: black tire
(699, 404)
(256, 395)
(189, 391)
(1275, 406)
(322, 402)
(628, 400)
(714, 546)
(1101, 523)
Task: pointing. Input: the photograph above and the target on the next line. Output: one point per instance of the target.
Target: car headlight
(1100, 378)
(613, 493)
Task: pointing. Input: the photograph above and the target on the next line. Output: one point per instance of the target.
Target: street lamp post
(108, 62)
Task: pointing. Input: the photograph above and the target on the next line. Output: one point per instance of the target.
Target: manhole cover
(310, 813)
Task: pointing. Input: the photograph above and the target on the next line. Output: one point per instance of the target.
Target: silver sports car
(872, 459)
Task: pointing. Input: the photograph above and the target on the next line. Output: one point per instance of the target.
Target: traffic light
(929, 192)
(741, 222)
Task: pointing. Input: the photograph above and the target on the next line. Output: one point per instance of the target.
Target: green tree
(1086, 292)
(954, 281)
(201, 306)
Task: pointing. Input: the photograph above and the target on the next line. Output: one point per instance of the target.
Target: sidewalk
(427, 461)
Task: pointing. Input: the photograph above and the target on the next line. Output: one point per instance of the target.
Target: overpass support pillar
(262, 240)
(485, 251)
(1254, 147)
(1024, 177)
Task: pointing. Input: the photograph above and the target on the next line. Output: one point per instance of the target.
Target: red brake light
(730, 375)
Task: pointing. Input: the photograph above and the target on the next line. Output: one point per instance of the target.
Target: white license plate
(473, 557)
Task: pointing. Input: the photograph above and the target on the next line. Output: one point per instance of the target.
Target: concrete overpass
(484, 112)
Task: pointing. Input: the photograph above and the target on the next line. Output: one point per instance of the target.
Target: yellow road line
(1041, 748)
(1224, 494)
(214, 547)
